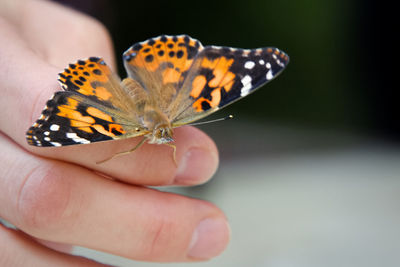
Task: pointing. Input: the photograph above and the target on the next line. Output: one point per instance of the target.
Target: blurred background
(309, 172)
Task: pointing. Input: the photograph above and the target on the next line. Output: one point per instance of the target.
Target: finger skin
(65, 203)
(57, 34)
(16, 249)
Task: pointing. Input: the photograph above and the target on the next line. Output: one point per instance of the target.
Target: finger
(69, 204)
(16, 249)
(197, 155)
(65, 34)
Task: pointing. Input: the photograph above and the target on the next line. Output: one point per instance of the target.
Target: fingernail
(197, 165)
(209, 238)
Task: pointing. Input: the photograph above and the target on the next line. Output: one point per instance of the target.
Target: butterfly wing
(160, 65)
(220, 76)
(93, 108)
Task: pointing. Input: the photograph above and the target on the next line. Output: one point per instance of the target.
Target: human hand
(60, 195)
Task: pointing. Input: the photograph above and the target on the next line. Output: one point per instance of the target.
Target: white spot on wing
(268, 65)
(77, 139)
(55, 144)
(246, 81)
(54, 127)
(269, 75)
(262, 62)
(249, 65)
(47, 139)
(46, 133)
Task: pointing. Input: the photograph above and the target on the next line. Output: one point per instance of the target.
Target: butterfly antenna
(216, 120)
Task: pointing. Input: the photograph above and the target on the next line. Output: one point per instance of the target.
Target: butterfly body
(172, 81)
(155, 123)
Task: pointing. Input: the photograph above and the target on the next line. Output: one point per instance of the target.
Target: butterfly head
(161, 134)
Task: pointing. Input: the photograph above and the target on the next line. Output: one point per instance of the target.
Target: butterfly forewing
(160, 65)
(221, 75)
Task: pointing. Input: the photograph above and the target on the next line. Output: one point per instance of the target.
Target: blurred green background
(309, 172)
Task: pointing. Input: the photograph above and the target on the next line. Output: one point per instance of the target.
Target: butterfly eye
(158, 132)
(137, 129)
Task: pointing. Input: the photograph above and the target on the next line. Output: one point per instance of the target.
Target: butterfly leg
(173, 153)
(124, 152)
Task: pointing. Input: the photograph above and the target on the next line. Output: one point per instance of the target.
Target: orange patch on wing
(81, 75)
(151, 66)
(222, 75)
(103, 77)
(69, 111)
(187, 65)
(84, 91)
(228, 86)
(192, 42)
(102, 93)
(215, 100)
(221, 72)
(170, 75)
(102, 130)
(146, 60)
(198, 85)
(197, 105)
(98, 114)
(116, 127)
(160, 46)
(71, 104)
(210, 64)
(85, 129)
(152, 57)
(78, 124)
(215, 97)
(74, 115)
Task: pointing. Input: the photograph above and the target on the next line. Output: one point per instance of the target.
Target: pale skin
(60, 197)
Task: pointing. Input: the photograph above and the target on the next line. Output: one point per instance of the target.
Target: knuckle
(99, 27)
(166, 235)
(96, 29)
(43, 198)
(158, 234)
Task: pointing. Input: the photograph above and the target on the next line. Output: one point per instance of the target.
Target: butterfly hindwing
(70, 119)
(160, 65)
(93, 108)
(221, 75)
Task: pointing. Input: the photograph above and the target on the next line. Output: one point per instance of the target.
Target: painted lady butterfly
(172, 81)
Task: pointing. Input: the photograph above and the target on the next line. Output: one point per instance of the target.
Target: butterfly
(172, 81)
